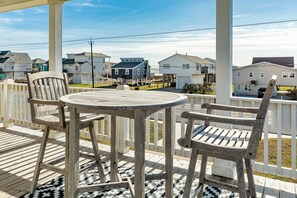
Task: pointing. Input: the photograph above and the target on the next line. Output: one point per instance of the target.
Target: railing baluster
(293, 140)
(266, 145)
(147, 132)
(183, 127)
(279, 138)
(102, 128)
(109, 126)
(156, 130)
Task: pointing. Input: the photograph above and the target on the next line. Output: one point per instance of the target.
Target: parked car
(261, 92)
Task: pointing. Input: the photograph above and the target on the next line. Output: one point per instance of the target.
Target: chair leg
(190, 173)
(96, 153)
(40, 159)
(240, 178)
(202, 175)
(249, 172)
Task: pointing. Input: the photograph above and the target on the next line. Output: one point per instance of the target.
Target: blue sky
(97, 19)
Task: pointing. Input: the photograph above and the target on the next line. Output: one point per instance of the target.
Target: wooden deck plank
(271, 188)
(287, 190)
(17, 166)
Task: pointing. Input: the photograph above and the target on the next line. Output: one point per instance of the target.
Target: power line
(152, 34)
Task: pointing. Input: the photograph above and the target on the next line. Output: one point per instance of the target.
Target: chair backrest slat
(51, 88)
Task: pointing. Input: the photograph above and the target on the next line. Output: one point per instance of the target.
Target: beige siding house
(248, 79)
(186, 68)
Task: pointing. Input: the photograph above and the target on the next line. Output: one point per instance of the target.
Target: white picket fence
(281, 120)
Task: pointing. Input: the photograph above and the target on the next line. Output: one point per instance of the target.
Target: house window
(76, 68)
(138, 71)
(291, 75)
(238, 87)
(116, 71)
(186, 66)
(166, 66)
(285, 75)
(251, 74)
(238, 74)
(126, 71)
(261, 74)
(245, 87)
(94, 67)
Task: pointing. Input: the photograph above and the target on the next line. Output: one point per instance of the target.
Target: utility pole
(92, 63)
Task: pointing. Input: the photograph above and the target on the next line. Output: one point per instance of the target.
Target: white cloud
(39, 11)
(241, 15)
(10, 20)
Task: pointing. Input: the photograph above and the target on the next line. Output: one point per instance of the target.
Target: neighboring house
(79, 66)
(15, 65)
(39, 64)
(248, 79)
(285, 61)
(131, 70)
(107, 69)
(187, 69)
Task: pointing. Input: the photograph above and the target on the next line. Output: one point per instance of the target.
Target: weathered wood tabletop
(131, 104)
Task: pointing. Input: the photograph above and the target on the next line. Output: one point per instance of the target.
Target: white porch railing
(281, 120)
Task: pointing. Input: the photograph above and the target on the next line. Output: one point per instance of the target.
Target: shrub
(292, 94)
(197, 88)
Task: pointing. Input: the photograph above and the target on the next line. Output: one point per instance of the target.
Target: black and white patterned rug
(156, 188)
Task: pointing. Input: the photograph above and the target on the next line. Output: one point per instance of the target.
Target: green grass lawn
(109, 86)
(272, 156)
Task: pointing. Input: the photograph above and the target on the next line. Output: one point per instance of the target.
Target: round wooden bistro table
(130, 104)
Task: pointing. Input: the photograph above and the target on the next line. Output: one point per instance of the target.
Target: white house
(187, 69)
(15, 65)
(248, 79)
(79, 65)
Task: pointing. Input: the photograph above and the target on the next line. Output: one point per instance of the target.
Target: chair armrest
(211, 106)
(191, 116)
(217, 118)
(46, 102)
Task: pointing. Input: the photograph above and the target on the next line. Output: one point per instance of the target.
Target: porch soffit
(10, 5)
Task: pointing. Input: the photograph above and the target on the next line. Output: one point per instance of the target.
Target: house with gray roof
(79, 67)
(131, 70)
(285, 61)
(15, 65)
(187, 69)
(249, 79)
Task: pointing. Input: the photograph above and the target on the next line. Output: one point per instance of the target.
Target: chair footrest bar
(219, 184)
(52, 168)
(196, 191)
(86, 155)
(149, 177)
(106, 186)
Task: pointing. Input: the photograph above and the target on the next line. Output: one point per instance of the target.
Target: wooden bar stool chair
(228, 144)
(45, 89)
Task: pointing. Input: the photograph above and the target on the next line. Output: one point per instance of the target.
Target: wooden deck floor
(18, 154)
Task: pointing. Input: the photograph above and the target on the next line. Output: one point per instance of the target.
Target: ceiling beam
(11, 5)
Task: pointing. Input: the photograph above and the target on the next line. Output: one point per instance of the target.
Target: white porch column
(55, 44)
(55, 35)
(224, 22)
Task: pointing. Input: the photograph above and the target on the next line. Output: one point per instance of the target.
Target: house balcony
(20, 139)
